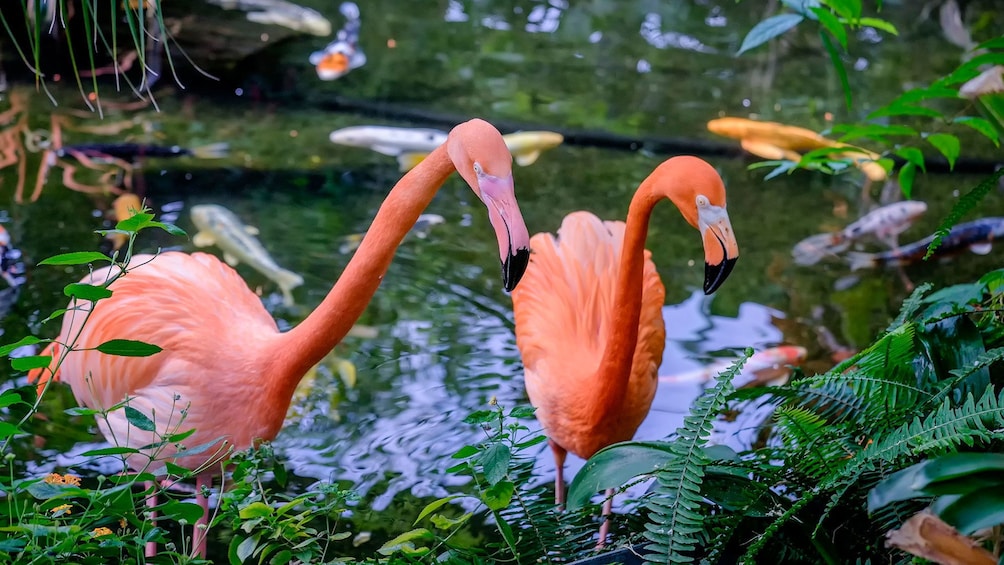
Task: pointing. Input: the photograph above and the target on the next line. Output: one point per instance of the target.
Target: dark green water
(445, 344)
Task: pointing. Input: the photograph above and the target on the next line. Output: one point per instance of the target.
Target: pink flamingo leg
(559, 471)
(151, 503)
(201, 531)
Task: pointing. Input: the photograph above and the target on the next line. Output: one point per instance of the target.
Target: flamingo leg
(201, 531)
(608, 508)
(559, 471)
(151, 503)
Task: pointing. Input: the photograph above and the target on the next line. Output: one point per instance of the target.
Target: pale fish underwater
(884, 224)
(221, 227)
(976, 236)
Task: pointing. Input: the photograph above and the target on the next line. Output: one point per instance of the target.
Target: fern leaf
(676, 517)
(962, 207)
(910, 306)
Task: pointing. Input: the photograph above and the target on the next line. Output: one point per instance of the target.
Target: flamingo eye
(477, 168)
(702, 201)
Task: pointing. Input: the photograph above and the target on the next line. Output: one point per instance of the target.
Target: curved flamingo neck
(305, 345)
(615, 366)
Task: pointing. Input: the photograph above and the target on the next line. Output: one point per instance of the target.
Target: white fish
(420, 230)
(221, 227)
(771, 367)
(280, 13)
(885, 224)
(409, 145)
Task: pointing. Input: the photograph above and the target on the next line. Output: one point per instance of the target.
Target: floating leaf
(76, 258)
(31, 362)
(86, 292)
(948, 145)
(769, 29)
(139, 419)
(26, 340)
(128, 348)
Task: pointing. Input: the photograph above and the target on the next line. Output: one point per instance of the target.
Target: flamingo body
(562, 310)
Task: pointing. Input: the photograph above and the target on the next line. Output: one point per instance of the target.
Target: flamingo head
(697, 190)
(481, 157)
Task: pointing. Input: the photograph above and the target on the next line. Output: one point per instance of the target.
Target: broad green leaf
(495, 461)
(86, 292)
(169, 228)
(499, 495)
(405, 542)
(110, 451)
(241, 549)
(957, 465)
(832, 25)
(9, 399)
(178, 511)
(843, 8)
(255, 510)
(139, 419)
(522, 412)
(906, 174)
(948, 145)
(128, 348)
(433, 506)
(465, 452)
(615, 465)
(972, 512)
(281, 558)
(531, 442)
(31, 362)
(769, 29)
(980, 125)
(26, 340)
(134, 223)
(444, 523)
(55, 314)
(7, 430)
(481, 417)
(76, 258)
(912, 155)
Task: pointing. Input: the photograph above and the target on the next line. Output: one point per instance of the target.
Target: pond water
(444, 343)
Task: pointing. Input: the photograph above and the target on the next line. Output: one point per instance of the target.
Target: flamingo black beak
(720, 248)
(503, 212)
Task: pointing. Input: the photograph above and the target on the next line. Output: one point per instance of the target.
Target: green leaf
(10, 398)
(906, 174)
(903, 109)
(901, 485)
(31, 362)
(109, 451)
(241, 549)
(76, 258)
(405, 542)
(81, 411)
(522, 412)
(255, 510)
(128, 348)
(948, 145)
(139, 419)
(878, 24)
(531, 442)
(838, 65)
(7, 430)
(499, 495)
(980, 125)
(465, 452)
(86, 292)
(169, 228)
(974, 511)
(962, 207)
(832, 25)
(495, 461)
(769, 29)
(444, 523)
(957, 465)
(481, 417)
(26, 340)
(433, 506)
(912, 155)
(135, 222)
(615, 465)
(178, 511)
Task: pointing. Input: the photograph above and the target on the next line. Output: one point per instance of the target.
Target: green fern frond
(910, 306)
(676, 517)
(812, 447)
(962, 207)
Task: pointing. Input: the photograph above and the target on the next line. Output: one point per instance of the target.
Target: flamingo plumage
(588, 313)
(224, 360)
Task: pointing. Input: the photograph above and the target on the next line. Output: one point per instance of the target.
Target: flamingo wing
(563, 309)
